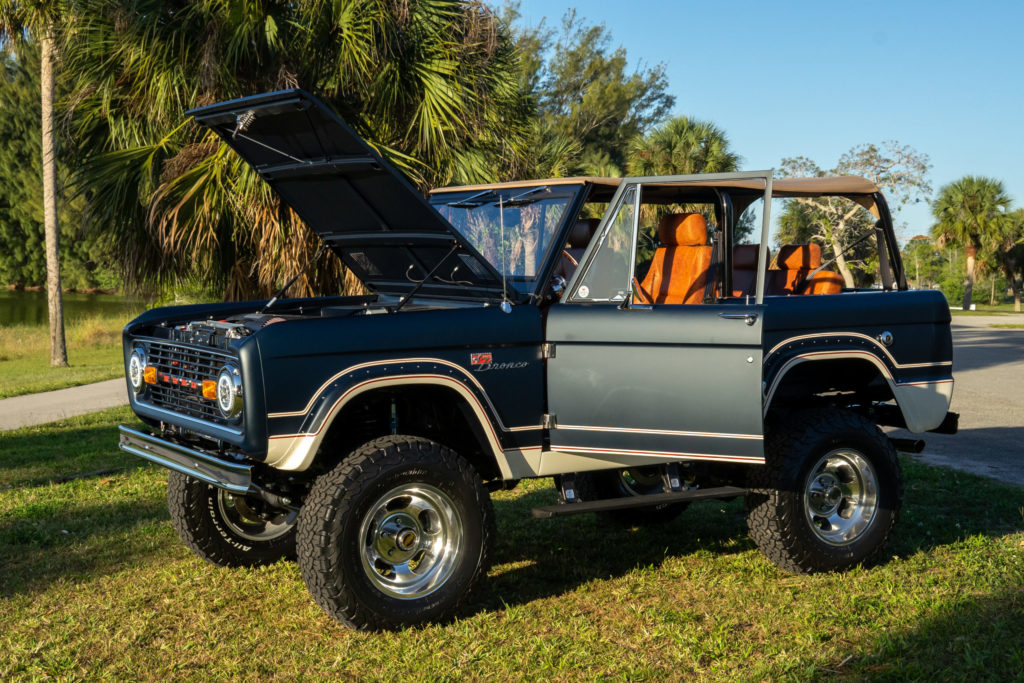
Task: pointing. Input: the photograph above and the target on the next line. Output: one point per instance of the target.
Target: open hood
(360, 205)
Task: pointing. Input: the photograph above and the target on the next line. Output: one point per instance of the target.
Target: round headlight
(229, 391)
(136, 370)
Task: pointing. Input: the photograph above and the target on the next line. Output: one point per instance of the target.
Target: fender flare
(296, 451)
(923, 403)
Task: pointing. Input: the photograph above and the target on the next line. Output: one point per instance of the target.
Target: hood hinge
(547, 350)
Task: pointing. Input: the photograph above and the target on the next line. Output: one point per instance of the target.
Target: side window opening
(678, 246)
(821, 245)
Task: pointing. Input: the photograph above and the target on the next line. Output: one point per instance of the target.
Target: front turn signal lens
(210, 389)
(149, 374)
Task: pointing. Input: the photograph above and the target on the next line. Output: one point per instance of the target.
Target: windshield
(513, 228)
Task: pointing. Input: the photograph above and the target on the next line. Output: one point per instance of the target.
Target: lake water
(20, 308)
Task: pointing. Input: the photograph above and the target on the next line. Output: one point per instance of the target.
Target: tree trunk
(844, 269)
(54, 299)
(971, 252)
(1016, 284)
(992, 293)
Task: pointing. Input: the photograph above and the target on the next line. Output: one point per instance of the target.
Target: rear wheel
(629, 481)
(397, 534)
(829, 495)
(228, 530)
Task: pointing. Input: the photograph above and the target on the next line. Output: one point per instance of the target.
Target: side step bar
(230, 476)
(637, 501)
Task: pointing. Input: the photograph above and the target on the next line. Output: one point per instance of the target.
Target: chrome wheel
(841, 497)
(411, 538)
(251, 525)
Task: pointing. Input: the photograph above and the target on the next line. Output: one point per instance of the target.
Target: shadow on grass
(34, 456)
(978, 638)
(557, 555)
(45, 544)
(941, 506)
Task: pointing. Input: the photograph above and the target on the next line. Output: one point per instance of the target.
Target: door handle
(749, 318)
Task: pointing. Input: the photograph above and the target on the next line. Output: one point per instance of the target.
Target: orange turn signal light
(149, 374)
(210, 389)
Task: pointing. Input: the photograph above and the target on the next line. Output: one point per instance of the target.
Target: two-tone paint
(551, 386)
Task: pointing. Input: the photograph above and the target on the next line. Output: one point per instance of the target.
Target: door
(633, 384)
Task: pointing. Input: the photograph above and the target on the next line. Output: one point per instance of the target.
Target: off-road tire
(198, 518)
(604, 484)
(778, 516)
(332, 548)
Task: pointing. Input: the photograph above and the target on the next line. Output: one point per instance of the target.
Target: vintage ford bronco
(626, 336)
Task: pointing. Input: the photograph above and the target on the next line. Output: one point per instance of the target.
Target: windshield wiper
(520, 199)
(469, 203)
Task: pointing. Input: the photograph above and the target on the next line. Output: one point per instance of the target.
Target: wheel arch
(345, 427)
(805, 379)
(923, 404)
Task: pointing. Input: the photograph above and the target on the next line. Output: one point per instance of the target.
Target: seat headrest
(581, 232)
(799, 257)
(745, 256)
(683, 230)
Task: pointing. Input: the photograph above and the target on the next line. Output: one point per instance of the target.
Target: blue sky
(816, 78)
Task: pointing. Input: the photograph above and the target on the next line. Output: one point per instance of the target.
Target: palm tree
(970, 211)
(1008, 250)
(681, 145)
(40, 20)
(432, 85)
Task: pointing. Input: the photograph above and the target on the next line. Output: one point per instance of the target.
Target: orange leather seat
(680, 267)
(744, 269)
(795, 262)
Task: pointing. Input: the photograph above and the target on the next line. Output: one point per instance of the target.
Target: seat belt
(710, 284)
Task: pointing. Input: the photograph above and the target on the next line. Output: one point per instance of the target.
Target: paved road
(34, 409)
(988, 369)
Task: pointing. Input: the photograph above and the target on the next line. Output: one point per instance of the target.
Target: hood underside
(360, 205)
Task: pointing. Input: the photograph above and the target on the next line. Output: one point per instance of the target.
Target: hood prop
(305, 269)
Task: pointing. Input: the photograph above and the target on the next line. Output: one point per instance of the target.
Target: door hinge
(548, 421)
(547, 350)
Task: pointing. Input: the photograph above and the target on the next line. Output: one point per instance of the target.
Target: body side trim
(659, 456)
(665, 432)
(858, 335)
(361, 366)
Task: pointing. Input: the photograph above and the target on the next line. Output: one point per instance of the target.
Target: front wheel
(397, 534)
(829, 495)
(226, 529)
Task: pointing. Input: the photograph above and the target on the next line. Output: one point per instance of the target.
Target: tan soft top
(781, 187)
(574, 180)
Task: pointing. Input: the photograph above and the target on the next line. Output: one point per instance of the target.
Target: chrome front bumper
(230, 476)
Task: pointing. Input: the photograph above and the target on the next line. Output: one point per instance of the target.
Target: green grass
(95, 585)
(985, 309)
(1009, 326)
(94, 353)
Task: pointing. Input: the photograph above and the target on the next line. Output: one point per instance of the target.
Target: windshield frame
(574, 194)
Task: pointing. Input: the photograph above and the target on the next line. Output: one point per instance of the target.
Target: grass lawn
(94, 584)
(1009, 326)
(985, 309)
(94, 353)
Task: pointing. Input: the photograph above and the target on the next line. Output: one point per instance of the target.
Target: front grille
(180, 374)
